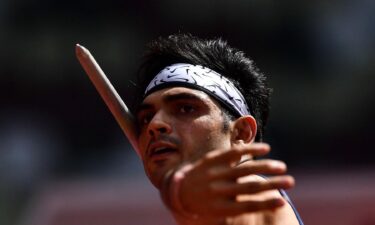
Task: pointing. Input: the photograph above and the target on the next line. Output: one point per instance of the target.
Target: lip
(160, 144)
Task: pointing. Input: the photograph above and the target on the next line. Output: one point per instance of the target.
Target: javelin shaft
(108, 93)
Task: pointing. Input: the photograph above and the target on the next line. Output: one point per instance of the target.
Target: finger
(252, 187)
(236, 208)
(264, 166)
(234, 154)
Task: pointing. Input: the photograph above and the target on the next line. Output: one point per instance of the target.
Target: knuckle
(253, 206)
(211, 173)
(257, 186)
(208, 156)
(216, 172)
(241, 171)
(275, 165)
(236, 151)
(212, 187)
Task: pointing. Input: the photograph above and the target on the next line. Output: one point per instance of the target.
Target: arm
(211, 189)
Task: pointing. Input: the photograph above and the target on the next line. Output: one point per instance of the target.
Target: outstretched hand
(210, 186)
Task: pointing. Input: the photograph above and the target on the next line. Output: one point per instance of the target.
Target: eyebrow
(171, 98)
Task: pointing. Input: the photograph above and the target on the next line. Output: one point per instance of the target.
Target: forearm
(213, 194)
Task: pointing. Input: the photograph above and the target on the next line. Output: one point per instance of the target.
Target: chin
(157, 177)
(156, 170)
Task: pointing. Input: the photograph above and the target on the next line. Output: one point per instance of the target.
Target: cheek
(204, 134)
(142, 144)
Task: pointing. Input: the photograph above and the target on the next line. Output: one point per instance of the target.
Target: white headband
(204, 79)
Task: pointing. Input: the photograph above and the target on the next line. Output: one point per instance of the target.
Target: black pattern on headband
(204, 79)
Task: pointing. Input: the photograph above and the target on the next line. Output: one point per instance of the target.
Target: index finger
(234, 154)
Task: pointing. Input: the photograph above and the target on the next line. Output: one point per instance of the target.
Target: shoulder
(279, 216)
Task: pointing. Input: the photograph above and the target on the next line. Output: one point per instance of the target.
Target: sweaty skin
(182, 126)
(180, 119)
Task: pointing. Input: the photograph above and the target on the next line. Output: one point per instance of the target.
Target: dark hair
(217, 55)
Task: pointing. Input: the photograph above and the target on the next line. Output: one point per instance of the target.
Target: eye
(144, 119)
(187, 109)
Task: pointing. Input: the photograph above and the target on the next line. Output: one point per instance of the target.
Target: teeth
(159, 149)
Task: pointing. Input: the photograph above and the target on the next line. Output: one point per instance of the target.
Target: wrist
(165, 189)
(175, 193)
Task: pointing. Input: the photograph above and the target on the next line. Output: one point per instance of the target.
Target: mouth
(160, 151)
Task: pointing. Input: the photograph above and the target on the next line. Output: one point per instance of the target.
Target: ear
(244, 130)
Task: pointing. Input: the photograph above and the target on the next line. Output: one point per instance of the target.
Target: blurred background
(64, 160)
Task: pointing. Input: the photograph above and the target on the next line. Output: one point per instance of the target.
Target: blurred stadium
(64, 160)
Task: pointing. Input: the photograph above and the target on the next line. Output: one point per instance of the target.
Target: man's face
(178, 125)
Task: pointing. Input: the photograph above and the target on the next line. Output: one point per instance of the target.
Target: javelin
(108, 93)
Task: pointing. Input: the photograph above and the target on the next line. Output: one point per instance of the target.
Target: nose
(159, 125)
